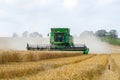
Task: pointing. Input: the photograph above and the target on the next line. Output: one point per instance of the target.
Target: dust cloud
(93, 43)
(7, 43)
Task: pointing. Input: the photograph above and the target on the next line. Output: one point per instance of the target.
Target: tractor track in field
(48, 66)
(111, 72)
(84, 70)
(54, 66)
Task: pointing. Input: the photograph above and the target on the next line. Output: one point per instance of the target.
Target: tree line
(103, 33)
(99, 33)
(26, 34)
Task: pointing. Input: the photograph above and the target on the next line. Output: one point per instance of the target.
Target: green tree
(101, 33)
(113, 33)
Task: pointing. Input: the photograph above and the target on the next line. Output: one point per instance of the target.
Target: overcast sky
(40, 15)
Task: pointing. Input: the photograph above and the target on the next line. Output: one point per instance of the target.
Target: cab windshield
(59, 37)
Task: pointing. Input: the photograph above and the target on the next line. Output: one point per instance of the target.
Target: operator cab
(59, 37)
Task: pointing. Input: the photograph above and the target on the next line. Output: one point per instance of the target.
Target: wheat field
(57, 65)
(84, 70)
(26, 56)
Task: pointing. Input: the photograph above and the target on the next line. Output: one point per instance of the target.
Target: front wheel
(86, 51)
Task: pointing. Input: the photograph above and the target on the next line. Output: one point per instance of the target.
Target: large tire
(86, 51)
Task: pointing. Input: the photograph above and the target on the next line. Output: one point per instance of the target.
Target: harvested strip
(85, 70)
(112, 70)
(22, 69)
(116, 58)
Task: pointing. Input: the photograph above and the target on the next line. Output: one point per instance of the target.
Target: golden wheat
(112, 71)
(116, 58)
(12, 70)
(85, 70)
(25, 56)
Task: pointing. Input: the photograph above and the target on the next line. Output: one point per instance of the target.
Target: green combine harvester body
(60, 40)
(60, 37)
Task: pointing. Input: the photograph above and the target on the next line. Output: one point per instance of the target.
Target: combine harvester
(60, 40)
